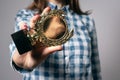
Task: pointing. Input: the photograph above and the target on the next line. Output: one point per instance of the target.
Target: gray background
(107, 17)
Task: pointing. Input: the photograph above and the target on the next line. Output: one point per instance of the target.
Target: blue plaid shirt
(79, 59)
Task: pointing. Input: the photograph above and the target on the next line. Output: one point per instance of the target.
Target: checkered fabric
(79, 59)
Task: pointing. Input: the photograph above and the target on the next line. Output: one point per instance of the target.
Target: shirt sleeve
(22, 16)
(96, 69)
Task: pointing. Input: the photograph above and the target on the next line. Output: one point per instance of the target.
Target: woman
(77, 59)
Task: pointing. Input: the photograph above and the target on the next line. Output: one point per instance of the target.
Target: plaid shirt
(79, 59)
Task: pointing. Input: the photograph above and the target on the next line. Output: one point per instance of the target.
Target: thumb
(49, 50)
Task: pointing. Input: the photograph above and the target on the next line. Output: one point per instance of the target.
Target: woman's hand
(31, 59)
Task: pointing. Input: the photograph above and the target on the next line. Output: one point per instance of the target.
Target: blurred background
(107, 18)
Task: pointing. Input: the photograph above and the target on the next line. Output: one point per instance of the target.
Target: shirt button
(66, 58)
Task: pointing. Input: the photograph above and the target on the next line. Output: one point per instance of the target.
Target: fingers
(46, 11)
(22, 25)
(52, 49)
(33, 20)
(36, 17)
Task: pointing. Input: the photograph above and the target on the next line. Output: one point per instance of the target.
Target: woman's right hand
(31, 59)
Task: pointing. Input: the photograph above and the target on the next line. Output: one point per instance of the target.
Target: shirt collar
(54, 6)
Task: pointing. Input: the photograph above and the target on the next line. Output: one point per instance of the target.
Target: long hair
(41, 4)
